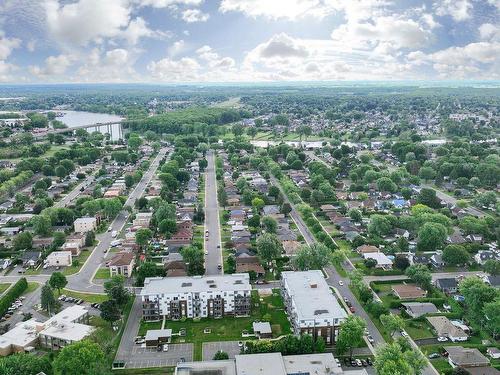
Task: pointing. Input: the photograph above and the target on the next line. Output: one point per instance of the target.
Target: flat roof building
(311, 306)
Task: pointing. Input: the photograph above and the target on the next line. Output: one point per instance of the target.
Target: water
(78, 118)
(305, 144)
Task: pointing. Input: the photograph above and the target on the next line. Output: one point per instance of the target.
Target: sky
(177, 41)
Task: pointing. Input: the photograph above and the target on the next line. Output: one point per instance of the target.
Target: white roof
(312, 296)
(155, 334)
(68, 315)
(167, 285)
(22, 335)
(317, 364)
(65, 331)
(85, 220)
(262, 327)
(260, 364)
(379, 257)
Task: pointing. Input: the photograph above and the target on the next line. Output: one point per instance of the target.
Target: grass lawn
(32, 286)
(98, 298)
(268, 308)
(418, 330)
(102, 273)
(4, 287)
(81, 260)
(441, 365)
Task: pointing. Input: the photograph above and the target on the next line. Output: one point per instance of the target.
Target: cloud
(115, 65)
(7, 45)
(489, 31)
(177, 48)
(166, 3)
(194, 15)
(212, 58)
(138, 28)
(54, 66)
(459, 10)
(184, 69)
(279, 47)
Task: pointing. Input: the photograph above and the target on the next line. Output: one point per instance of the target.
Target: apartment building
(85, 224)
(196, 297)
(312, 308)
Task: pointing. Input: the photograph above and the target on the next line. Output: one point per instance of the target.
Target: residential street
(73, 194)
(213, 241)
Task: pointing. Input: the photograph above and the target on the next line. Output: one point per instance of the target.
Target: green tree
(455, 255)
(110, 311)
(392, 323)
(319, 345)
(476, 294)
(25, 364)
(355, 215)
(81, 358)
(391, 359)
(115, 289)
(428, 197)
(257, 204)
(313, 257)
(47, 299)
(58, 281)
(492, 267)
(41, 225)
(269, 247)
(89, 238)
(142, 236)
(59, 239)
(420, 275)
(146, 269)
(220, 355)
(23, 240)
(270, 224)
(379, 225)
(351, 334)
(134, 142)
(427, 173)
(492, 314)
(194, 259)
(431, 236)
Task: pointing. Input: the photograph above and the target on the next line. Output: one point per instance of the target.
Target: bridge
(104, 127)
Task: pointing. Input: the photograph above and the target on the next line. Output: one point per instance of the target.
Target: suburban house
(122, 264)
(74, 247)
(196, 297)
(448, 285)
(382, 260)
(408, 291)
(59, 259)
(459, 356)
(483, 256)
(142, 219)
(445, 328)
(417, 309)
(85, 224)
(311, 306)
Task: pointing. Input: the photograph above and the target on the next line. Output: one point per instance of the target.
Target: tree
(194, 259)
(455, 255)
(313, 257)
(220, 355)
(134, 142)
(23, 241)
(355, 215)
(391, 359)
(351, 334)
(41, 225)
(257, 204)
(319, 345)
(269, 247)
(89, 238)
(401, 263)
(476, 294)
(379, 225)
(492, 267)
(431, 236)
(110, 311)
(427, 173)
(428, 197)
(59, 239)
(238, 130)
(492, 314)
(81, 358)
(386, 184)
(47, 299)
(286, 208)
(115, 289)
(421, 275)
(25, 364)
(146, 269)
(129, 180)
(142, 236)
(252, 132)
(167, 226)
(392, 323)
(58, 281)
(269, 224)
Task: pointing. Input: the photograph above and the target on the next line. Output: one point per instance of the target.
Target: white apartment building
(312, 308)
(142, 219)
(85, 224)
(59, 259)
(196, 296)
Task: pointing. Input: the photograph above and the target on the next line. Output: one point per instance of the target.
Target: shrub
(12, 294)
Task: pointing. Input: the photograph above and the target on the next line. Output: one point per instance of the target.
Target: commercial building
(85, 224)
(59, 259)
(311, 306)
(196, 297)
(268, 364)
(64, 328)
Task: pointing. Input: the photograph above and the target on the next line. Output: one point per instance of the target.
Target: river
(78, 118)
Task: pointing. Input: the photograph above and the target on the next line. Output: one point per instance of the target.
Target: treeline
(12, 294)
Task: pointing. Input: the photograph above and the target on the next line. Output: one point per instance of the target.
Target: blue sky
(248, 40)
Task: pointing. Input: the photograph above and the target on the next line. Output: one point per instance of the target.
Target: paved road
(130, 332)
(213, 242)
(73, 194)
(452, 200)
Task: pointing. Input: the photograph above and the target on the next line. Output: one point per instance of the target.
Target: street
(73, 194)
(213, 257)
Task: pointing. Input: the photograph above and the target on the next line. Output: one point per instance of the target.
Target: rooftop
(158, 285)
(312, 295)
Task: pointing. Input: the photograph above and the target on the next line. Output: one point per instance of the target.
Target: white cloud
(194, 15)
(459, 10)
(166, 3)
(7, 45)
(115, 65)
(184, 69)
(137, 29)
(54, 66)
(86, 20)
(495, 3)
(279, 48)
(395, 32)
(214, 61)
(177, 48)
(489, 31)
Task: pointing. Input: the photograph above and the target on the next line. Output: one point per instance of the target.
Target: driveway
(213, 242)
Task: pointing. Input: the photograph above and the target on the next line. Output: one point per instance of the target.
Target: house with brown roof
(458, 356)
(290, 247)
(122, 264)
(367, 249)
(408, 291)
(445, 328)
(247, 263)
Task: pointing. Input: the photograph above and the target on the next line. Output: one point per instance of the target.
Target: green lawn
(32, 286)
(102, 274)
(98, 298)
(418, 330)
(229, 328)
(81, 260)
(4, 287)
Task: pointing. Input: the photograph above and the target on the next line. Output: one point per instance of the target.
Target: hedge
(12, 294)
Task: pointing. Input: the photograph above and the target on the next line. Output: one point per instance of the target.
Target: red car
(351, 309)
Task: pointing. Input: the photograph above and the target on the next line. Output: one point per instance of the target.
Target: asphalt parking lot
(141, 357)
(210, 348)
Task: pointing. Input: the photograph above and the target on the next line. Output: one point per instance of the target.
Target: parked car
(369, 361)
(351, 309)
(341, 283)
(370, 339)
(358, 363)
(434, 355)
(404, 334)
(442, 339)
(165, 347)
(364, 363)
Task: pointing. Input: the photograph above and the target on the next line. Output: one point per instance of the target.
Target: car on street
(110, 229)
(240, 344)
(359, 363)
(114, 233)
(219, 266)
(369, 361)
(159, 348)
(165, 347)
(370, 339)
(434, 355)
(352, 309)
(404, 334)
(341, 283)
(442, 339)
(206, 252)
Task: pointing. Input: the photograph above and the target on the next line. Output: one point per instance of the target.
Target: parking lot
(140, 357)
(210, 348)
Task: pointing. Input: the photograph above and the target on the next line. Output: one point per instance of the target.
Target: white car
(114, 233)
(404, 334)
(165, 347)
(442, 339)
(341, 283)
(206, 252)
